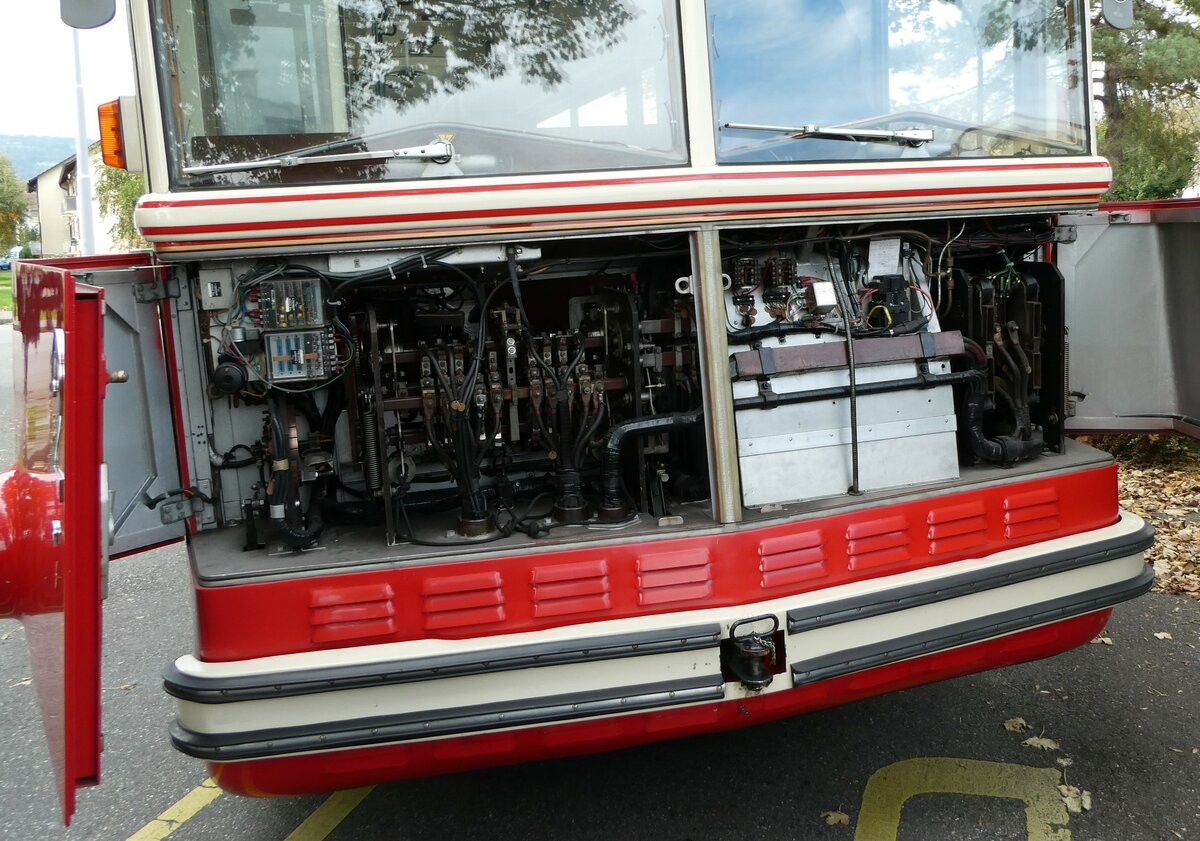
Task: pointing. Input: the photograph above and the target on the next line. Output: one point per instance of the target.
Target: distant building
(57, 212)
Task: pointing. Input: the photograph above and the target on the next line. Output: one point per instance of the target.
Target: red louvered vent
(679, 576)
(954, 528)
(345, 613)
(877, 543)
(1032, 512)
(791, 558)
(570, 588)
(457, 601)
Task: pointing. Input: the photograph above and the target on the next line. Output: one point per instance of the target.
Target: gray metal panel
(801, 451)
(1132, 297)
(139, 442)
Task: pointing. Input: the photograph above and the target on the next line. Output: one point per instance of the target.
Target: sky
(37, 69)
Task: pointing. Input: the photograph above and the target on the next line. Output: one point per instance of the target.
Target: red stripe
(607, 207)
(607, 182)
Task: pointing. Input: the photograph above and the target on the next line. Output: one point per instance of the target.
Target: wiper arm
(904, 137)
(439, 152)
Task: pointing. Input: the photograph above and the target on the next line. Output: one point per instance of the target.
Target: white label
(884, 257)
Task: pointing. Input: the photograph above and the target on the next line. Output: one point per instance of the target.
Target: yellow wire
(886, 312)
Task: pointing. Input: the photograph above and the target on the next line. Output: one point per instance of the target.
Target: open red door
(53, 505)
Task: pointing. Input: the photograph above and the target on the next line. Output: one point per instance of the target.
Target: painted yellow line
(333, 811)
(892, 785)
(173, 818)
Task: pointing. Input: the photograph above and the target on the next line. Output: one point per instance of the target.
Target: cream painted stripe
(333, 811)
(182, 810)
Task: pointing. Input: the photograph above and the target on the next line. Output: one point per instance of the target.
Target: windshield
(987, 77)
(513, 86)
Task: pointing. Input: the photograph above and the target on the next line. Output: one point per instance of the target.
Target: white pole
(83, 169)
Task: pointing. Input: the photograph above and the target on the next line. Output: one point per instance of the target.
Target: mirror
(86, 14)
(1117, 13)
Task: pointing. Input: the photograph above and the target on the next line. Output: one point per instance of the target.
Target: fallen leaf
(1042, 743)
(1072, 797)
(1175, 750)
(1163, 635)
(1016, 725)
(1102, 640)
(1065, 761)
(836, 817)
(1085, 800)
(127, 686)
(23, 682)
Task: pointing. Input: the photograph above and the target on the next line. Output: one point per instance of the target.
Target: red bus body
(783, 412)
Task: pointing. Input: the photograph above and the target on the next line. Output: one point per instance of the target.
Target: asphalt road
(1127, 716)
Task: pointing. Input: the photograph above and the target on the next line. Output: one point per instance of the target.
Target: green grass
(6, 302)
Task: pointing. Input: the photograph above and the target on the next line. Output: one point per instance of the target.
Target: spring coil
(372, 463)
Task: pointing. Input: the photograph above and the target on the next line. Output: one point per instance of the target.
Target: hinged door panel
(1133, 294)
(54, 550)
(139, 437)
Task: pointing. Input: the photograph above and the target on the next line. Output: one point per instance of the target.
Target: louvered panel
(954, 528)
(570, 588)
(457, 601)
(678, 576)
(877, 543)
(1030, 513)
(791, 559)
(337, 614)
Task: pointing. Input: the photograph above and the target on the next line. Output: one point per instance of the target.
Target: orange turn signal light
(111, 144)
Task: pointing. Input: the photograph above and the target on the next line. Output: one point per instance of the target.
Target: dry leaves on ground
(836, 817)
(1076, 800)
(1168, 496)
(1016, 725)
(1042, 743)
(1163, 635)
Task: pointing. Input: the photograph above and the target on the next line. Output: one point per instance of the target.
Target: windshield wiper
(439, 152)
(904, 137)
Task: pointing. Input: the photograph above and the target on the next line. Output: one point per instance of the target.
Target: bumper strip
(915, 595)
(975, 630)
(217, 690)
(454, 721)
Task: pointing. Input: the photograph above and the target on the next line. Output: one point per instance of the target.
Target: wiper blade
(903, 137)
(439, 152)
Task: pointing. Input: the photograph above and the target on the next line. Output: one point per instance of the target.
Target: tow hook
(752, 657)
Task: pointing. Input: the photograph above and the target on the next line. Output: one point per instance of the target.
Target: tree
(1150, 92)
(117, 192)
(12, 204)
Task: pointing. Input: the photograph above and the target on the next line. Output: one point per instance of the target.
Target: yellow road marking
(173, 817)
(333, 811)
(891, 786)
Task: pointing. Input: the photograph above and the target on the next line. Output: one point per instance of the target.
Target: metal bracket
(154, 289)
(174, 510)
(766, 359)
(767, 395)
(1066, 233)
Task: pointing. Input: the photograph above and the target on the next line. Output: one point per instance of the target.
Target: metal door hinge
(154, 289)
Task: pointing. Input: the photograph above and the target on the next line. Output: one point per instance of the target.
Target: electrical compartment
(449, 397)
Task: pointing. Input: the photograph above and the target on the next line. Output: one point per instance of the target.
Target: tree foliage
(12, 205)
(1150, 92)
(117, 192)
